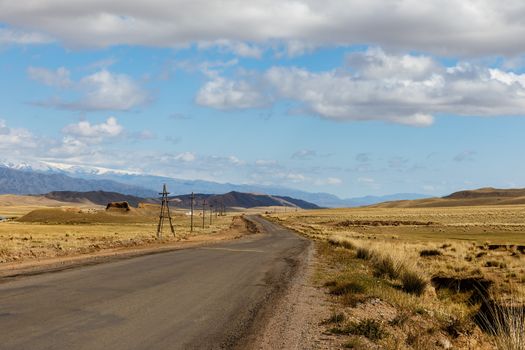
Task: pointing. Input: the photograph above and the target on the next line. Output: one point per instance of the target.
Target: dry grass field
(421, 278)
(43, 230)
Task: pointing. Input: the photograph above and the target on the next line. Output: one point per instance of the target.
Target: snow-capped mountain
(35, 177)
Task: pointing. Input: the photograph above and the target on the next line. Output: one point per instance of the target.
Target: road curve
(200, 298)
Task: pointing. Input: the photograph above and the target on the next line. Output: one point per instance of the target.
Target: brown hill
(228, 200)
(487, 192)
(235, 199)
(10, 200)
(89, 216)
(482, 196)
(95, 197)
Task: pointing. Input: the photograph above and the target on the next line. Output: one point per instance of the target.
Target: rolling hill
(95, 197)
(229, 200)
(482, 196)
(244, 200)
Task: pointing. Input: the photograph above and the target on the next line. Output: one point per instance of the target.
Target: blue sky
(351, 98)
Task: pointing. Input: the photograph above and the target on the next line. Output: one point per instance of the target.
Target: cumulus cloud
(15, 138)
(402, 89)
(10, 36)
(57, 78)
(94, 132)
(330, 181)
(239, 48)
(185, 157)
(450, 27)
(102, 90)
(108, 91)
(222, 93)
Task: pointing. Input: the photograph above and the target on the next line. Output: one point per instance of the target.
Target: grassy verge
(378, 307)
(439, 277)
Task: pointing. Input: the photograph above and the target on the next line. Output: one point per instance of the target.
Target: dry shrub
(368, 328)
(505, 321)
(413, 282)
(364, 253)
(348, 287)
(386, 265)
(341, 241)
(429, 252)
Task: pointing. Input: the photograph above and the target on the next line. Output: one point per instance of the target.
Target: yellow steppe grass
(70, 231)
(471, 241)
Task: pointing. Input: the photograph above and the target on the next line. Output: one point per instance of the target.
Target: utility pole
(164, 213)
(203, 211)
(191, 212)
(211, 212)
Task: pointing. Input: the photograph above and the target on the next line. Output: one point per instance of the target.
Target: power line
(164, 213)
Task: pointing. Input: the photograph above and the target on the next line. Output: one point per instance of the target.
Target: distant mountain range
(228, 200)
(14, 181)
(45, 177)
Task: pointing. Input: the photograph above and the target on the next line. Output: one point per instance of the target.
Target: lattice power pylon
(164, 213)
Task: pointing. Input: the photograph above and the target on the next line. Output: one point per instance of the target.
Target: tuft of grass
(413, 282)
(339, 241)
(429, 253)
(353, 344)
(364, 253)
(510, 331)
(335, 318)
(368, 328)
(386, 265)
(346, 288)
(495, 263)
(505, 321)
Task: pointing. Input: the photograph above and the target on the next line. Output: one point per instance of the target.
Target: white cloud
(239, 48)
(334, 181)
(108, 91)
(235, 160)
(403, 89)
(9, 36)
(304, 154)
(15, 139)
(296, 177)
(470, 27)
(69, 147)
(221, 93)
(186, 157)
(366, 180)
(330, 181)
(58, 78)
(102, 90)
(86, 130)
(265, 162)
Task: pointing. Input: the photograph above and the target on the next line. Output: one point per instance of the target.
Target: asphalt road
(200, 298)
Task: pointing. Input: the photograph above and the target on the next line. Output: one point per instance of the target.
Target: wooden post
(191, 212)
(203, 212)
